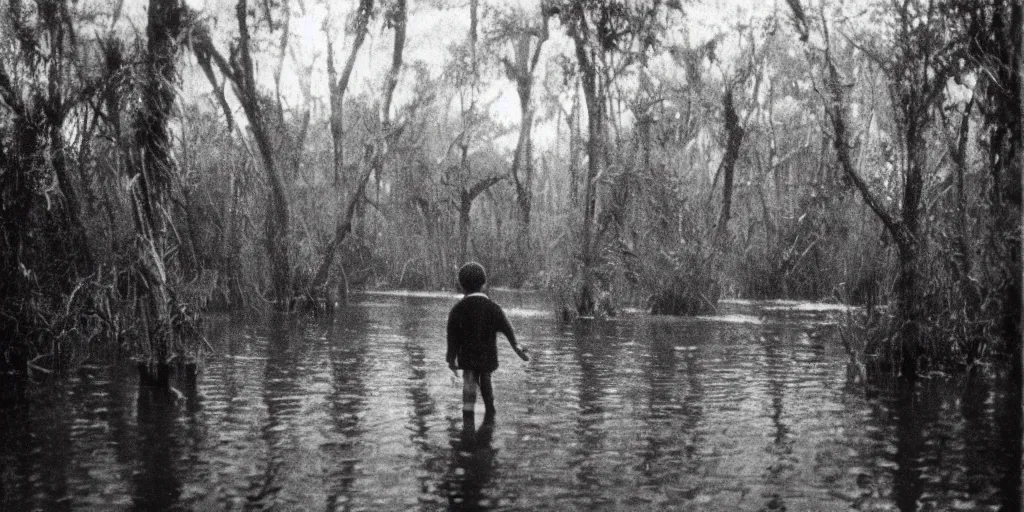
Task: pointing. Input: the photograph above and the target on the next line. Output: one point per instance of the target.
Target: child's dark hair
(472, 277)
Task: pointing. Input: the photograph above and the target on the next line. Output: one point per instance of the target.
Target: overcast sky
(431, 30)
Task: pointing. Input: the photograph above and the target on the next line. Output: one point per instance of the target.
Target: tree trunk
(521, 71)
(397, 52)
(465, 206)
(55, 112)
(734, 138)
(907, 308)
(574, 149)
(72, 205)
(909, 247)
(474, 18)
(240, 72)
(152, 174)
(276, 229)
(645, 121)
(376, 150)
(466, 198)
(1006, 162)
(1017, 289)
(997, 46)
(522, 163)
(338, 86)
(344, 226)
(19, 164)
(595, 141)
(963, 251)
(1014, 478)
(961, 261)
(595, 100)
(904, 229)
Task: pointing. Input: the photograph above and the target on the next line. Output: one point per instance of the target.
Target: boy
(473, 325)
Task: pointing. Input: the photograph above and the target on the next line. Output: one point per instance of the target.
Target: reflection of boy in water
(474, 455)
(473, 325)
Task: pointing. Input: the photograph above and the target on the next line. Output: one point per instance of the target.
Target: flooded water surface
(751, 409)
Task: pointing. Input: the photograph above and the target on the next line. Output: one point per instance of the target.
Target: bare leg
(487, 393)
(470, 380)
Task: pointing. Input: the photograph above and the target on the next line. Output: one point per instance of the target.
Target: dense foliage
(267, 154)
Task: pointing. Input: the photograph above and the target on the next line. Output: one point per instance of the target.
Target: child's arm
(452, 344)
(505, 328)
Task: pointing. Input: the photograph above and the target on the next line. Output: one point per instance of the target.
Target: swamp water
(753, 409)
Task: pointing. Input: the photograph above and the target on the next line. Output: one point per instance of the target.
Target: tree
(588, 51)
(601, 29)
(468, 194)
(44, 47)
(463, 73)
(527, 42)
(45, 250)
(239, 71)
(339, 84)
(735, 128)
(916, 67)
(995, 49)
(152, 173)
(376, 150)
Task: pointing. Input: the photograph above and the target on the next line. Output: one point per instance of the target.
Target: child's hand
(521, 352)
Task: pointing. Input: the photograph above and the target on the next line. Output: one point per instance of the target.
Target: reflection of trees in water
(955, 440)
(102, 434)
(36, 456)
(472, 466)
(911, 416)
(122, 417)
(423, 405)
(992, 439)
(122, 399)
(348, 355)
(672, 420)
(782, 443)
(281, 396)
(142, 425)
(935, 444)
(944, 440)
(232, 382)
(102, 443)
(157, 482)
(595, 347)
(1009, 413)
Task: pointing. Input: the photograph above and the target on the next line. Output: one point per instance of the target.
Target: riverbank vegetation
(159, 161)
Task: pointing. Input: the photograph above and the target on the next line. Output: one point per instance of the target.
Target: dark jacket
(473, 325)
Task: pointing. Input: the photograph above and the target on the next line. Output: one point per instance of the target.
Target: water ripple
(748, 410)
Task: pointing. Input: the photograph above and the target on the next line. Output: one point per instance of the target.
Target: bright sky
(431, 30)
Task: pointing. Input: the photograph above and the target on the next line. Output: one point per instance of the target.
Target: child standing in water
(473, 325)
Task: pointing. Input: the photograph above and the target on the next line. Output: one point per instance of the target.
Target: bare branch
(479, 187)
(837, 112)
(344, 226)
(338, 86)
(873, 55)
(218, 90)
(364, 13)
(399, 19)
